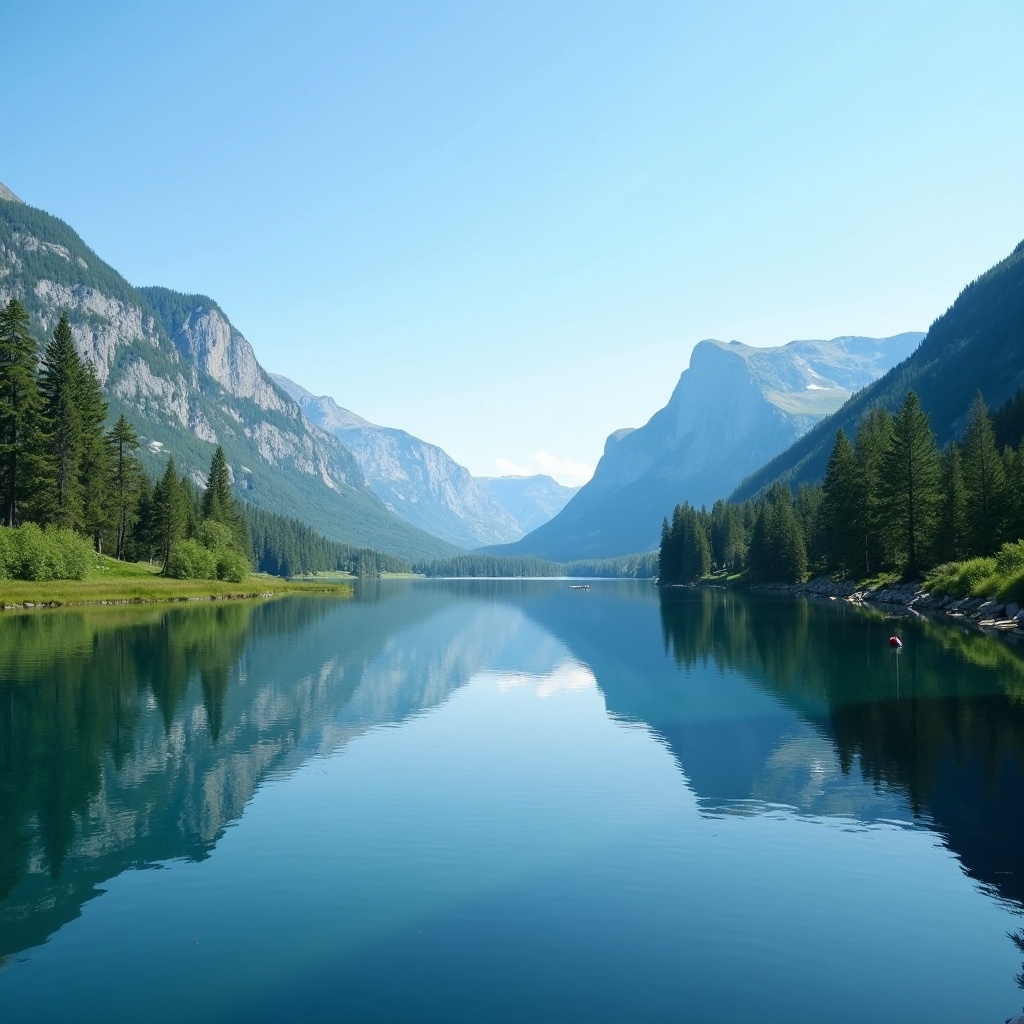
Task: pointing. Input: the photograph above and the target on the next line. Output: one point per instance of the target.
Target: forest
(891, 502)
(70, 487)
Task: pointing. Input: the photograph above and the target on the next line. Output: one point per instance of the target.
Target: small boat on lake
(579, 586)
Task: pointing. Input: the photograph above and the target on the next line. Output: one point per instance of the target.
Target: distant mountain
(530, 500)
(416, 480)
(188, 380)
(732, 410)
(977, 344)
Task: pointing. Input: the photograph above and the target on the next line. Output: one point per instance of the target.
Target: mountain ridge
(177, 368)
(732, 409)
(975, 345)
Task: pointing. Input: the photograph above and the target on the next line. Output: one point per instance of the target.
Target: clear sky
(503, 225)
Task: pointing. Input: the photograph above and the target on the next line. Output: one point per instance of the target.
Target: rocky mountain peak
(6, 193)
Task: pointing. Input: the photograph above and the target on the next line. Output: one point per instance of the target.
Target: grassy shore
(115, 582)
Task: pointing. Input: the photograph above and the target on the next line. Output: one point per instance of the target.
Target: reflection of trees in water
(945, 710)
(73, 686)
(947, 731)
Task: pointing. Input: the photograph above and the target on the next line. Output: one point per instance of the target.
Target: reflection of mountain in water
(132, 738)
(796, 703)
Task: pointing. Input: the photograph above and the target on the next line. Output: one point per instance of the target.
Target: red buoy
(895, 643)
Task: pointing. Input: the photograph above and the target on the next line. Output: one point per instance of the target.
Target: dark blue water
(508, 801)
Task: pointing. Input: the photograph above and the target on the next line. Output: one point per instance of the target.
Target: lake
(506, 801)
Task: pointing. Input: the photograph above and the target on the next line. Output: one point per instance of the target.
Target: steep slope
(418, 481)
(530, 500)
(975, 345)
(188, 380)
(733, 409)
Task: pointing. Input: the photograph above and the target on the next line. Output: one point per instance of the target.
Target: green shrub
(76, 553)
(8, 553)
(191, 561)
(30, 553)
(1010, 559)
(215, 536)
(1013, 588)
(974, 577)
(233, 566)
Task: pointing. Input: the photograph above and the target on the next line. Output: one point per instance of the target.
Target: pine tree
(841, 500)
(954, 532)
(170, 513)
(984, 480)
(60, 384)
(872, 523)
(911, 484)
(20, 404)
(220, 505)
(126, 477)
(95, 465)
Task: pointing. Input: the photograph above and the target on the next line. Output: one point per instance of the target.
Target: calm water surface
(508, 801)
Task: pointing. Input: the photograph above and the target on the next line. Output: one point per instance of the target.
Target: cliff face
(177, 368)
(735, 408)
(418, 481)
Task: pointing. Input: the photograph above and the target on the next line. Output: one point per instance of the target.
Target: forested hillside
(189, 382)
(976, 345)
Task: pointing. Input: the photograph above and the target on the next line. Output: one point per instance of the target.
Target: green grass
(111, 580)
(1001, 576)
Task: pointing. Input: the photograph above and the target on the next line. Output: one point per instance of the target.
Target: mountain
(976, 345)
(732, 410)
(530, 500)
(177, 368)
(417, 481)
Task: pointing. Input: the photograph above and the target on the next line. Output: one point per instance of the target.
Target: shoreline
(155, 591)
(989, 615)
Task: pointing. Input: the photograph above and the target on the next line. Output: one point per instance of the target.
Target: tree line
(890, 501)
(640, 566)
(62, 470)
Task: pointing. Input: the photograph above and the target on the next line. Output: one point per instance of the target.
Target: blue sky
(503, 226)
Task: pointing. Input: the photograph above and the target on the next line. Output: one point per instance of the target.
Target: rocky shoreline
(169, 599)
(987, 614)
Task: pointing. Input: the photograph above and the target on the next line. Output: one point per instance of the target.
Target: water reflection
(130, 738)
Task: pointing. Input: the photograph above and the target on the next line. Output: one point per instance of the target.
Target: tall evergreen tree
(61, 385)
(220, 505)
(20, 404)
(841, 500)
(911, 484)
(126, 478)
(954, 528)
(984, 480)
(95, 465)
(873, 525)
(170, 513)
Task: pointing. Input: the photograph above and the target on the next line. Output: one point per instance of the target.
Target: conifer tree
(984, 480)
(60, 384)
(220, 505)
(911, 484)
(954, 529)
(20, 404)
(95, 464)
(873, 525)
(169, 511)
(841, 499)
(126, 478)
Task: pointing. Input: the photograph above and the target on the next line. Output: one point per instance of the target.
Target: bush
(191, 561)
(29, 553)
(8, 553)
(215, 536)
(1010, 559)
(975, 577)
(233, 566)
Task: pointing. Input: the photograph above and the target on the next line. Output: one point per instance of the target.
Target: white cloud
(565, 471)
